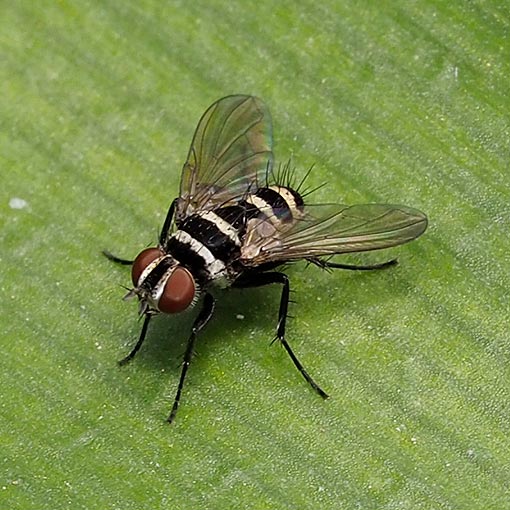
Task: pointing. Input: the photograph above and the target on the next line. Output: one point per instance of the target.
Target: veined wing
(333, 229)
(230, 153)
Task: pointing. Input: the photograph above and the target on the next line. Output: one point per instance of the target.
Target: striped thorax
(208, 248)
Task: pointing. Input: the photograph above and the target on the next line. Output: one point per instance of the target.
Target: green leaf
(401, 102)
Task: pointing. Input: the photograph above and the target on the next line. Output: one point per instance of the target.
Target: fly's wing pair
(230, 154)
(327, 230)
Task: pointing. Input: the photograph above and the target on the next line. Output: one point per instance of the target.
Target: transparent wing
(330, 230)
(230, 153)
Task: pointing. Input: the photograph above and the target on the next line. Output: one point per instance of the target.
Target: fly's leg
(168, 221)
(261, 279)
(323, 264)
(162, 237)
(141, 339)
(143, 333)
(117, 260)
(203, 318)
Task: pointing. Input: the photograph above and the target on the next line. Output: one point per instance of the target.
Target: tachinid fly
(233, 224)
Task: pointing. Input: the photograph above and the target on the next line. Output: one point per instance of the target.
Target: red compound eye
(144, 258)
(178, 293)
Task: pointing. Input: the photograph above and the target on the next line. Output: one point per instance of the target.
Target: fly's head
(161, 283)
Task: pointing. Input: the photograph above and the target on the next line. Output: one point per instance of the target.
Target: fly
(231, 227)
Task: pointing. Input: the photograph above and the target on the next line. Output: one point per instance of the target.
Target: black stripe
(238, 215)
(157, 273)
(207, 233)
(250, 210)
(234, 215)
(280, 207)
(183, 253)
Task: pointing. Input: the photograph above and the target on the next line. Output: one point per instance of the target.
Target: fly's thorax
(207, 242)
(161, 283)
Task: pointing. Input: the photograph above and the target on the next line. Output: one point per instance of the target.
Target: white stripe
(158, 289)
(263, 208)
(224, 226)
(286, 195)
(290, 200)
(258, 202)
(267, 210)
(213, 265)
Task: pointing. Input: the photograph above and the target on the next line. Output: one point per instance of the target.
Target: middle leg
(261, 279)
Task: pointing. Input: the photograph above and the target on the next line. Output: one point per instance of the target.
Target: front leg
(168, 222)
(163, 236)
(203, 318)
(261, 279)
(117, 260)
(138, 344)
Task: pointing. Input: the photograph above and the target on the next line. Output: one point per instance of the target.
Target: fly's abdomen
(277, 209)
(280, 205)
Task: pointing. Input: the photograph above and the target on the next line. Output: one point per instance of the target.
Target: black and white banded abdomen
(210, 243)
(278, 210)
